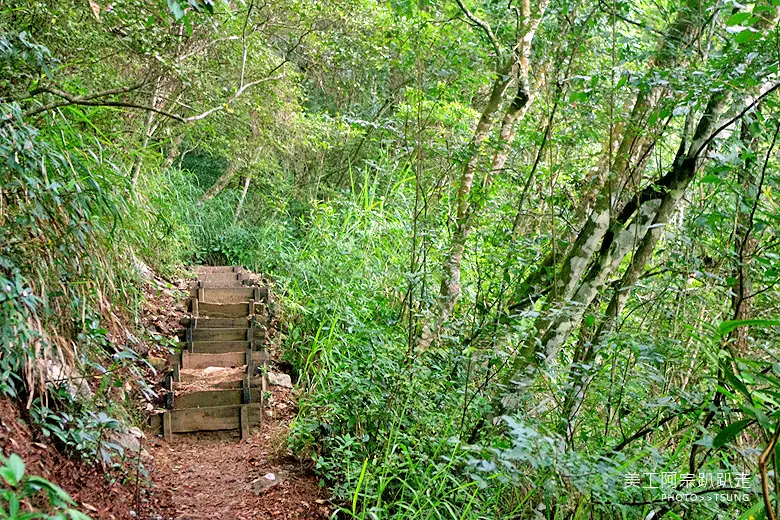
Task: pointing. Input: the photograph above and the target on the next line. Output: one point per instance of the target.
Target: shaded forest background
(528, 252)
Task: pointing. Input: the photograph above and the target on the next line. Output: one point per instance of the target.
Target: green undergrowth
(384, 428)
(391, 430)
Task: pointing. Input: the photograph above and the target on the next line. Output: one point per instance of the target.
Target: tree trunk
(241, 200)
(467, 205)
(174, 150)
(450, 286)
(657, 201)
(223, 181)
(620, 165)
(580, 379)
(744, 242)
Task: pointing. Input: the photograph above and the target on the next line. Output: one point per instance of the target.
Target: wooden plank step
(226, 310)
(219, 277)
(221, 294)
(226, 359)
(208, 398)
(215, 323)
(217, 269)
(220, 334)
(213, 418)
(231, 284)
(216, 334)
(225, 294)
(219, 347)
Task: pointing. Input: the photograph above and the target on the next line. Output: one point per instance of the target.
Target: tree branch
(728, 123)
(93, 100)
(235, 96)
(482, 25)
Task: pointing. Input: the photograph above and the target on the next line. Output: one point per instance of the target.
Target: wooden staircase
(227, 326)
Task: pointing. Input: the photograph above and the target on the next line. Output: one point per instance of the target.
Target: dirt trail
(215, 475)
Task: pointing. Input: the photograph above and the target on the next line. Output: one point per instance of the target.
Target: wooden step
(215, 334)
(208, 398)
(220, 334)
(224, 310)
(225, 294)
(217, 269)
(226, 359)
(209, 284)
(230, 294)
(212, 418)
(215, 323)
(254, 382)
(219, 347)
(226, 276)
(215, 278)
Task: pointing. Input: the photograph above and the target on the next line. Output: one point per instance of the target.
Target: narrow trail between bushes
(218, 448)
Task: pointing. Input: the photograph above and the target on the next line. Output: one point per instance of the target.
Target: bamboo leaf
(729, 432)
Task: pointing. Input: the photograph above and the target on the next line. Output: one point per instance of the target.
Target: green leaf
(8, 476)
(760, 416)
(727, 326)
(55, 492)
(176, 9)
(747, 36)
(13, 506)
(729, 432)
(754, 511)
(16, 465)
(737, 18)
(739, 385)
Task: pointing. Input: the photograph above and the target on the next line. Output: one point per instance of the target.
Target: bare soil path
(216, 475)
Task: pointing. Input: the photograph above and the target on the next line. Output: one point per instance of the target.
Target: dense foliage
(528, 253)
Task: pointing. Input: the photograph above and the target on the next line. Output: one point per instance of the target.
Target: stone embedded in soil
(212, 370)
(157, 363)
(279, 379)
(267, 481)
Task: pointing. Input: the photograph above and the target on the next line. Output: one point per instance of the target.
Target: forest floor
(196, 476)
(95, 493)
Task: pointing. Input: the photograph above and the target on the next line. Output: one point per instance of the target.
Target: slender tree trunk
(468, 205)
(620, 165)
(580, 379)
(223, 181)
(450, 288)
(243, 197)
(745, 242)
(174, 150)
(148, 131)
